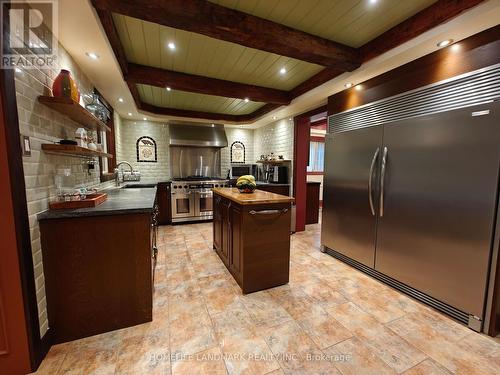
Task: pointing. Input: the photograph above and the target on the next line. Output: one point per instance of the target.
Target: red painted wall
(301, 158)
(14, 350)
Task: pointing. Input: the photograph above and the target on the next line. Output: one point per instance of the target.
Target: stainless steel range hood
(197, 135)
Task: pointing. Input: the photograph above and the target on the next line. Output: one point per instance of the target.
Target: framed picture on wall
(146, 150)
(237, 152)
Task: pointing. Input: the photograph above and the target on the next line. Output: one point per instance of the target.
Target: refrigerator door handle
(370, 178)
(382, 181)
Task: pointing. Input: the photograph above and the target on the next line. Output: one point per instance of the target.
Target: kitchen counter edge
(120, 201)
(255, 198)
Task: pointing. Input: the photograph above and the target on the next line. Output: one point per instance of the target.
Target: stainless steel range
(195, 162)
(192, 198)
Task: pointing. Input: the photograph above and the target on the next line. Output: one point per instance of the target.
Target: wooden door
(14, 349)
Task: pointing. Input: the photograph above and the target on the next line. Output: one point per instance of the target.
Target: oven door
(204, 204)
(183, 205)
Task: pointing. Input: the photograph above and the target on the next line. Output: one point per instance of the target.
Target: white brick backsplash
(277, 137)
(245, 136)
(44, 125)
(128, 132)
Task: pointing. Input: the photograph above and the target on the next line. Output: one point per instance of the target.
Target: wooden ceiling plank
(203, 85)
(231, 25)
(137, 41)
(113, 38)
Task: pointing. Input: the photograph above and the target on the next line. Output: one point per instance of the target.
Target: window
(316, 156)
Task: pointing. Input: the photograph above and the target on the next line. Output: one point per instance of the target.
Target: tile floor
(330, 319)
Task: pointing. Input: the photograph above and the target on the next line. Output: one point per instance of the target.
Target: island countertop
(257, 197)
(119, 201)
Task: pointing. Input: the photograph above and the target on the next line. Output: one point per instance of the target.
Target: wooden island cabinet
(252, 237)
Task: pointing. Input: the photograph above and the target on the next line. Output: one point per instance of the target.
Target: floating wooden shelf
(273, 162)
(74, 111)
(76, 151)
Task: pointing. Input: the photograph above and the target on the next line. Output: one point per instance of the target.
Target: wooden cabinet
(225, 207)
(217, 224)
(312, 202)
(253, 242)
(154, 240)
(235, 246)
(98, 273)
(276, 189)
(163, 194)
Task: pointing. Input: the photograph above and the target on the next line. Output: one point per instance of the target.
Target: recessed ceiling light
(171, 45)
(373, 1)
(18, 70)
(358, 87)
(213, 125)
(274, 117)
(92, 55)
(283, 70)
(168, 88)
(144, 118)
(247, 100)
(120, 100)
(290, 119)
(444, 43)
(348, 84)
(456, 47)
(130, 114)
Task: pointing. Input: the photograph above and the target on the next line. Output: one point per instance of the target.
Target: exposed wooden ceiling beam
(203, 17)
(318, 79)
(426, 19)
(203, 85)
(211, 116)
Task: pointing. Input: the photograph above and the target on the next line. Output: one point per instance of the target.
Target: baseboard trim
(414, 293)
(43, 347)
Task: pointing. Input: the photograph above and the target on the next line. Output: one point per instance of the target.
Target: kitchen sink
(138, 186)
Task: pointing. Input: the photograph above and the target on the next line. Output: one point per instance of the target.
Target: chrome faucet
(134, 175)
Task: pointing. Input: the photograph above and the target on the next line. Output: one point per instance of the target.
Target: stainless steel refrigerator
(413, 202)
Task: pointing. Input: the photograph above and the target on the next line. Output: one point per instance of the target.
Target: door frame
(302, 135)
(38, 347)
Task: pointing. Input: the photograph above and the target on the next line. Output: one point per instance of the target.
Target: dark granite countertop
(120, 201)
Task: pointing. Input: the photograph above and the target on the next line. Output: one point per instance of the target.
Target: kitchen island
(252, 237)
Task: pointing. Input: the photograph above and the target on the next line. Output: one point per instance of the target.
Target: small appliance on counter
(238, 170)
(277, 174)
